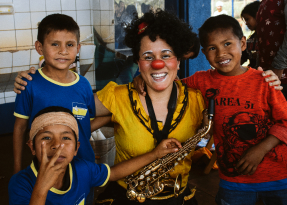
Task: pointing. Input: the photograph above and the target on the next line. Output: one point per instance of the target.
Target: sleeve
(19, 190)
(278, 105)
(280, 60)
(91, 103)
(107, 96)
(100, 174)
(191, 81)
(23, 103)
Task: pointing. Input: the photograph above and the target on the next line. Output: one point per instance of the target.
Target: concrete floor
(207, 185)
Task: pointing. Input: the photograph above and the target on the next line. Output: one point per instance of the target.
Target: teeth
(224, 62)
(159, 75)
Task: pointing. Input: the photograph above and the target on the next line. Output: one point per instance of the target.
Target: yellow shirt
(133, 133)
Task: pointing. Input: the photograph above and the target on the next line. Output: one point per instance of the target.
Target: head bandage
(219, 3)
(53, 118)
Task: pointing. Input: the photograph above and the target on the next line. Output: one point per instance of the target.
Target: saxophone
(152, 179)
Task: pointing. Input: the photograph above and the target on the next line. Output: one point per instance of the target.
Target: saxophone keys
(141, 177)
(131, 194)
(141, 198)
(147, 172)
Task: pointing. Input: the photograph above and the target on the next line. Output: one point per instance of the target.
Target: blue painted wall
(199, 11)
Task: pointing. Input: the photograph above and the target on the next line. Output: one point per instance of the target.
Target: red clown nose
(158, 64)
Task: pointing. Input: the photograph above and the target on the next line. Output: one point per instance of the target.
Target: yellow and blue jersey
(77, 96)
(82, 176)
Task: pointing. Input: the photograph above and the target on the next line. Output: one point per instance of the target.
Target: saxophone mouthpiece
(211, 107)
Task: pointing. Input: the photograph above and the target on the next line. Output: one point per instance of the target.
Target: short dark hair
(57, 22)
(251, 9)
(220, 22)
(166, 26)
(54, 109)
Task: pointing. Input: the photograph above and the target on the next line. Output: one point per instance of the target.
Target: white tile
(5, 70)
(21, 58)
(90, 76)
(37, 5)
(2, 100)
(86, 61)
(96, 5)
(20, 68)
(68, 5)
(7, 23)
(83, 4)
(105, 18)
(24, 37)
(7, 39)
(53, 12)
(93, 87)
(53, 5)
(21, 5)
(96, 18)
(84, 18)
(22, 21)
(36, 66)
(73, 14)
(5, 59)
(34, 57)
(10, 99)
(87, 51)
(104, 5)
(111, 3)
(6, 1)
(85, 31)
(105, 32)
(37, 17)
(9, 94)
(2, 95)
(34, 35)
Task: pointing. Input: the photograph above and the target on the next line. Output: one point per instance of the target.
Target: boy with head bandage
(55, 176)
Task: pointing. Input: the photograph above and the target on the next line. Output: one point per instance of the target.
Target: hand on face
(50, 170)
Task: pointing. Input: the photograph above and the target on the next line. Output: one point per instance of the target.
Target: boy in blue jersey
(54, 85)
(54, 177)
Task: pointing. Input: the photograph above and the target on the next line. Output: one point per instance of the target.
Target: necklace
(163, 134)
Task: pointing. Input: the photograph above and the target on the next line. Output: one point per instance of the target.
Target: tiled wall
(18, 33)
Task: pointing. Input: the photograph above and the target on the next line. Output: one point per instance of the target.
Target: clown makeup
(158, 64)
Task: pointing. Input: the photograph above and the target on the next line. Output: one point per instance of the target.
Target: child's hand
(49, 171)
(250, 159)
(20, 84)
(166, 146)
(272, 78)
(139, 84)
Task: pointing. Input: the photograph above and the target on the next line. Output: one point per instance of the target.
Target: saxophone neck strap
(160, 135)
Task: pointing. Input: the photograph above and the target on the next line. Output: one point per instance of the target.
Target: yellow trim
(56, 191)
(108, 176)
(58, 83)
(21, 116)
(92, 119)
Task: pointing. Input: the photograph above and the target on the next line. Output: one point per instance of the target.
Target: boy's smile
(54, 136)
(223, 51)
(59, 49)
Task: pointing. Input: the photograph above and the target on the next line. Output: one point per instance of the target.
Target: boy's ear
(39, 47)
(243, 43)
(30, 144)
(78, 47)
